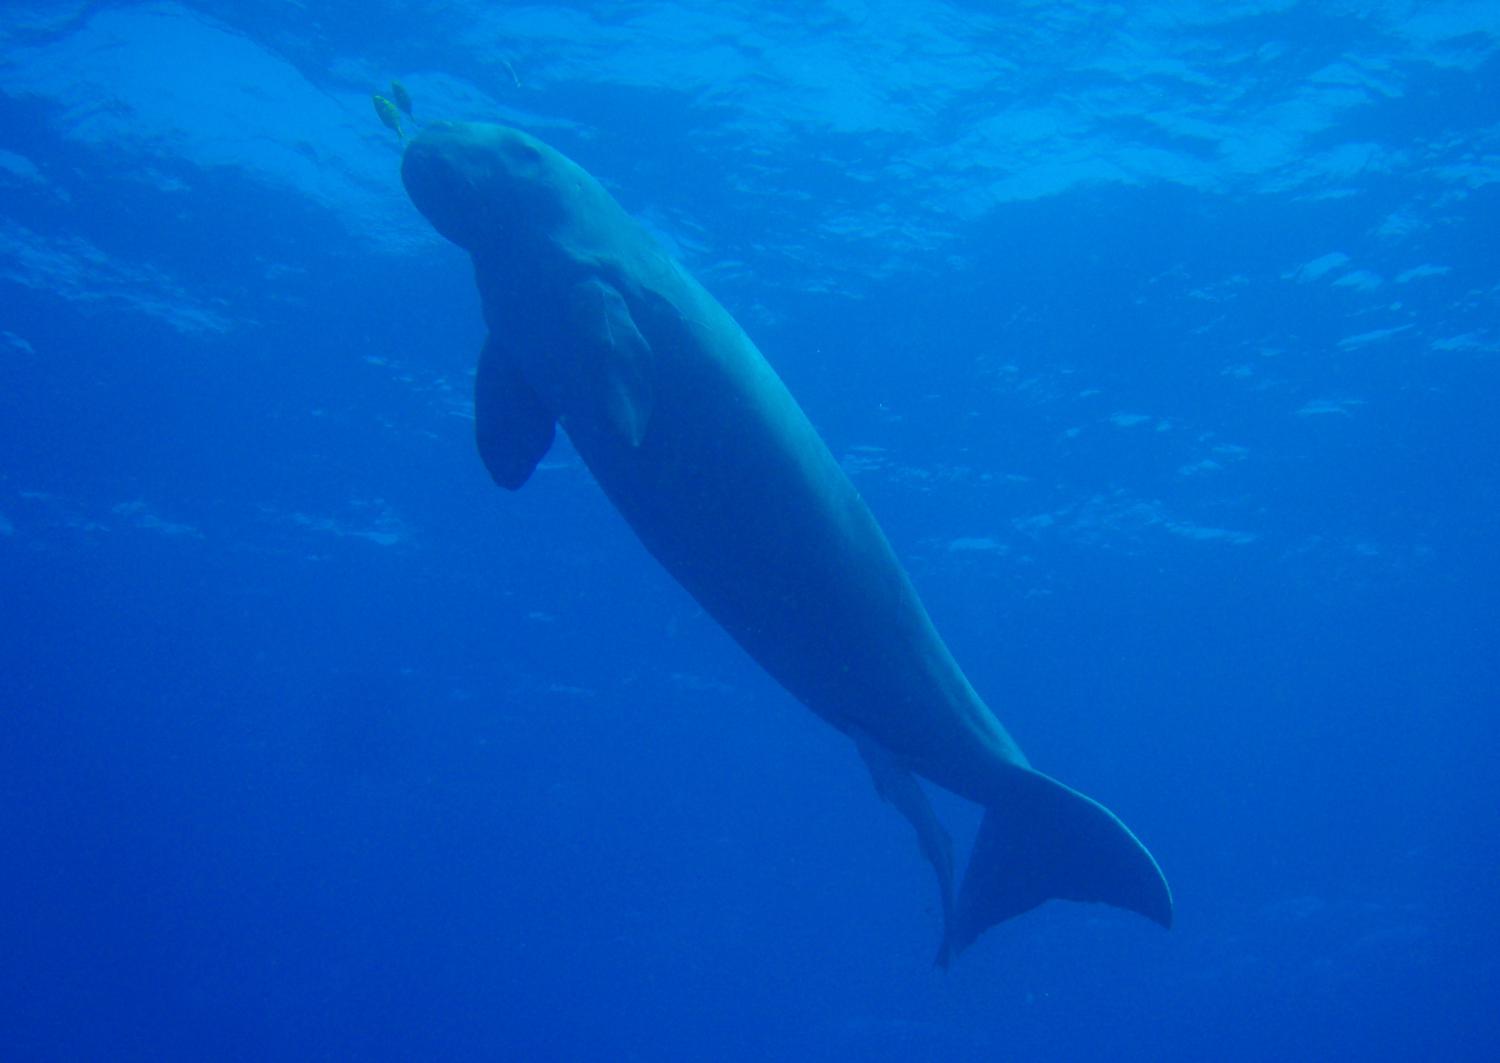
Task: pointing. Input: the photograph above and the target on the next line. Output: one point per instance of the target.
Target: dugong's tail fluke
(1047, 841)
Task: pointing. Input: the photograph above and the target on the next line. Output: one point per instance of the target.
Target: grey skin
(707, 456)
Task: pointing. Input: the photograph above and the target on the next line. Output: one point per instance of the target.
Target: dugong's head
(488, 187)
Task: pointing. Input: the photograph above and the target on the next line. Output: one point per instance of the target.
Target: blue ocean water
(1162, 339)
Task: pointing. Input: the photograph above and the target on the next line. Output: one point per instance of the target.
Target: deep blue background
(1162, 342)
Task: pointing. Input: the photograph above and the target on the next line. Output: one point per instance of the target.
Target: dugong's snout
(443, 178)
(477, 183)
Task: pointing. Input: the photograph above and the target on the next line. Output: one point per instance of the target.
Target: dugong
(699, 445)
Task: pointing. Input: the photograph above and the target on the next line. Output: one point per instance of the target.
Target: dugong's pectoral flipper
(606, 370)
(895, 783)
(617, 358)
(512, 425)
(1042, 840)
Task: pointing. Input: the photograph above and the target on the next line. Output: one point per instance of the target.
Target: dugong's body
(702, 449)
